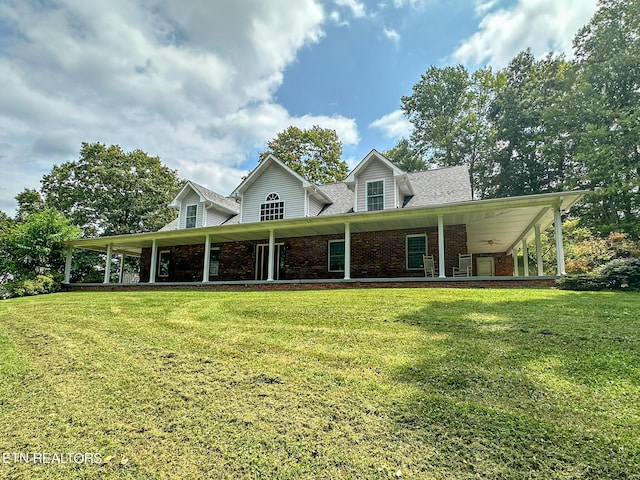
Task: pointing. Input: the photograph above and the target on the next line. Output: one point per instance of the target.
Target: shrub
(29, 286)
(622, 273)
(583, 282)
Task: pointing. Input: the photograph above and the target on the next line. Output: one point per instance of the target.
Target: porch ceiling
(496, 225)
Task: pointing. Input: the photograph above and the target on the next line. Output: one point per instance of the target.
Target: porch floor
(411, 282)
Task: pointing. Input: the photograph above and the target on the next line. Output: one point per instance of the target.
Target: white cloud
(484, 6)
(391, 34)
(337, 19)
(393, 125)
(542, 25)
(409, 3)
(190, 81)
(357, 8)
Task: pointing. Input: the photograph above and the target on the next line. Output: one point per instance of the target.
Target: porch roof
(494, 225)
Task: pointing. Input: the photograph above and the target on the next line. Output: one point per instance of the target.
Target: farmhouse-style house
(380, 223)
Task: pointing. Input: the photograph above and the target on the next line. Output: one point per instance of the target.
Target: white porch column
(67, 265)
(514, 256)
(272, 248)
(347, 251)
(107, 268)
(207, 259)
(539, 251)
(441, 265)
(121, 271)
(154, 262)
(557, 223)
(525, 257)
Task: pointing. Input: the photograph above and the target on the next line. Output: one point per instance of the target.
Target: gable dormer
(273, 191)
(200, 207)
(378, 184)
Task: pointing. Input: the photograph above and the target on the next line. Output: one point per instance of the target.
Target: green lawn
(429, 383)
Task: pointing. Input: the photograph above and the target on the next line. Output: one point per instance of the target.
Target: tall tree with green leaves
(110, 192)
(607, 51)
(534, 121)
(449, 108)
(404, 157)
(313, 153)
(29, 201)
(5, 221)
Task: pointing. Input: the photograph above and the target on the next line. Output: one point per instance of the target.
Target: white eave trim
(255, 173)
(175, 203)
(373, 154)
(564, 199)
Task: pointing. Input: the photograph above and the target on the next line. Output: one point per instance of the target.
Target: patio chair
(464, 265)
(429, 266)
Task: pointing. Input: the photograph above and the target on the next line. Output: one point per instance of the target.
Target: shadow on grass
(548, 387)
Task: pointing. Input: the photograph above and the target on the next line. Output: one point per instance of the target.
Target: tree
(5, 221)
(29, 201)
(534, 120)
(403, 156)
(34, 246)
(607, 50)
(313, 153)
(449, 108)
(110, 192)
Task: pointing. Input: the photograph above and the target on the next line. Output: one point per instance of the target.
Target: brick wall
(278, 286)
(502, 262)
(380, 254)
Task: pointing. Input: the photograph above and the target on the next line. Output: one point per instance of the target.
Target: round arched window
(272, 197)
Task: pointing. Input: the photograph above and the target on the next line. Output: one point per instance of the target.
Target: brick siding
(380, 254)
(284, 286)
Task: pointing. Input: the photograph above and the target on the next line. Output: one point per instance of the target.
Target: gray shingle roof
(431, 187)
(440, 186)
(172, 225)
(212, 196)
(342, 198)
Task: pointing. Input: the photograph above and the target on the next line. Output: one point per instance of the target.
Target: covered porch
(492, 231)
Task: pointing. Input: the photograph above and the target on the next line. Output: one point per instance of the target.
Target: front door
(262, 261)
(485, 267)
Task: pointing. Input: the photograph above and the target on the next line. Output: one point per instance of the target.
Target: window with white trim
(336, 255)
(272, 208)
(375, 195)
(416, 248)
(191, 215)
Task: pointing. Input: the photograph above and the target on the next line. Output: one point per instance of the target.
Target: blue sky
(204, 84)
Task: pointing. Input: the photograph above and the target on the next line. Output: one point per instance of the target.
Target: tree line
(542, 125)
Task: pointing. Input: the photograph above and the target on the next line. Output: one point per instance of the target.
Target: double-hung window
(191, 215)
(336, 255)
(375, 195)
(416, 248)
(272, 208)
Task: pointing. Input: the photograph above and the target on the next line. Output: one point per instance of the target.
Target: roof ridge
(215, 196)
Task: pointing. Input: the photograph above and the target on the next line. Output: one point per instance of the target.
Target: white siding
(315, 206)
(374, 171)
(216, 218)
(191, 198)
(274, 179)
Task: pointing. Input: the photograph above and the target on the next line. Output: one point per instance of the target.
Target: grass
(442, 384)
